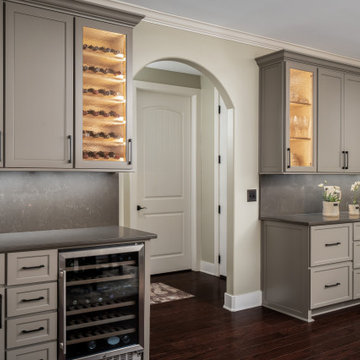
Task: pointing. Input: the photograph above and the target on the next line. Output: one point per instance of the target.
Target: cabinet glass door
(301, 128)
(102, 301)
(104, 76)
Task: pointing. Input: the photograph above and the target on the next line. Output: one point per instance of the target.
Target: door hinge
(219, 259)
(219, 209)
(219, 159)
(219, 109)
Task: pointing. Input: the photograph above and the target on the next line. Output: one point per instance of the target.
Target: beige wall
(207, 169)
(233, 66)
(169, 78)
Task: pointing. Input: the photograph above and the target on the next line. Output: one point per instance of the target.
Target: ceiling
(329, 25)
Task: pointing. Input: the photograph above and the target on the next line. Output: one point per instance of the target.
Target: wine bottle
(91, 345)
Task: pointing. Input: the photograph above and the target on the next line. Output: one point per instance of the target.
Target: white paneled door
(163, 177)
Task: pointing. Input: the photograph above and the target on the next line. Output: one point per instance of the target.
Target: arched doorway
(175, 87)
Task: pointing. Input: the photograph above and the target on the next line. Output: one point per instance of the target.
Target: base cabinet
(308, 270)
(46, 351)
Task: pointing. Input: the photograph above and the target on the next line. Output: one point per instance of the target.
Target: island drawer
(331, 284)
(31, 299)
(2, 269)
(330, 244)
(28, 330)
(31, 267)
(45, 351)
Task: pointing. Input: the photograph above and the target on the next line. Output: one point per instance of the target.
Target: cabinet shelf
(300, 138)
(297, 103)
(101, 322)
(106, 56)
(102, 142)
(99, 280)
(108, 334)
(100, 266)
(113, 305)
(100, 99)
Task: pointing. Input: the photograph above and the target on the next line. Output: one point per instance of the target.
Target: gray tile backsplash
(294, 194)
(57, 200)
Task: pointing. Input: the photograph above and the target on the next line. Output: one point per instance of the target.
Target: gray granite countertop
(313, 219)
(70, 238)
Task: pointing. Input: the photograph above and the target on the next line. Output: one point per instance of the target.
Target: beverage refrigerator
(101, 312)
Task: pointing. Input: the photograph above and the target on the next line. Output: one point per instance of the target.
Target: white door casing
(222, 176)
(164, 163)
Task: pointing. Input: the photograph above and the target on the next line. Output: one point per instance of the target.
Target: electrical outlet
(251, 195)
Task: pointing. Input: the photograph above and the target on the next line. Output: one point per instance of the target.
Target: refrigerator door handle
(62, 343)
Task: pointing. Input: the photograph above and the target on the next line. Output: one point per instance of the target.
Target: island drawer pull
(332, 285)
(32, 267)
(32, 331)
(333, 244)
(35, 299)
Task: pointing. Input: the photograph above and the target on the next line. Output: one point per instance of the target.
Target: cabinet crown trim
(285, 55)
(83, 9)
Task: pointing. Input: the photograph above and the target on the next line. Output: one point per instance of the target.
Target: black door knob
(138, 208)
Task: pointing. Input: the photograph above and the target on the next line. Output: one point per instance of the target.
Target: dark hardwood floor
(199, 328)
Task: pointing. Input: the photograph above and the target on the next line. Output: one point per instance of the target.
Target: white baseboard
(208, 268)
(243, 301)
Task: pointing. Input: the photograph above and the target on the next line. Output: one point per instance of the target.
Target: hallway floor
(199, 328)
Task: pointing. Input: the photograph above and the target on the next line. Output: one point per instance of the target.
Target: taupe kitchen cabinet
(39, 88)
(338, 121)
(53, 47)
(288, 99)
(2, 307)
(1, 88)
(102, 95)
(307, 270)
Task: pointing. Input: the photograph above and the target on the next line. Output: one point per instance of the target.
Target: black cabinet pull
(32, 267)
(344, 160)
(138, 207)
(35, 299)
(332, 285)
(333, 244)
(70, 149)
(32, 331)
(289, 158)
(347, 159)
(130, 152)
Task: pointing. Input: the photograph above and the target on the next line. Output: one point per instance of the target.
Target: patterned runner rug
(161, 293)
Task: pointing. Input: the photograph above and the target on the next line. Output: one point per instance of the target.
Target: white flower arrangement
(355, 190)
(331, 193)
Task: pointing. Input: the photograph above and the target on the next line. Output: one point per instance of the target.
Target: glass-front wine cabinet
(102, 303)
(301, 129)
(103, 57)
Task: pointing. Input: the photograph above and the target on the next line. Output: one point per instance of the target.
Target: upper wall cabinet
(103, 129)
(309, 115)
(287, 116)
(67, 86)
(39, 88)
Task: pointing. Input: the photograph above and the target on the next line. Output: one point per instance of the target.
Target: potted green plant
(354, 206)
(331, 199)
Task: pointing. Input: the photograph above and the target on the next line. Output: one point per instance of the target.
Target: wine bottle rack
(98, 333)
(104, 96)
(89, 320)
(103, 304)
(82, 309)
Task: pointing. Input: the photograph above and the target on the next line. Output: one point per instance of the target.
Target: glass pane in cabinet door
(102, 303)
(104, 95)
(301, 118)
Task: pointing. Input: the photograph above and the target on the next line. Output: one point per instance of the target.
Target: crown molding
(199, 27)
